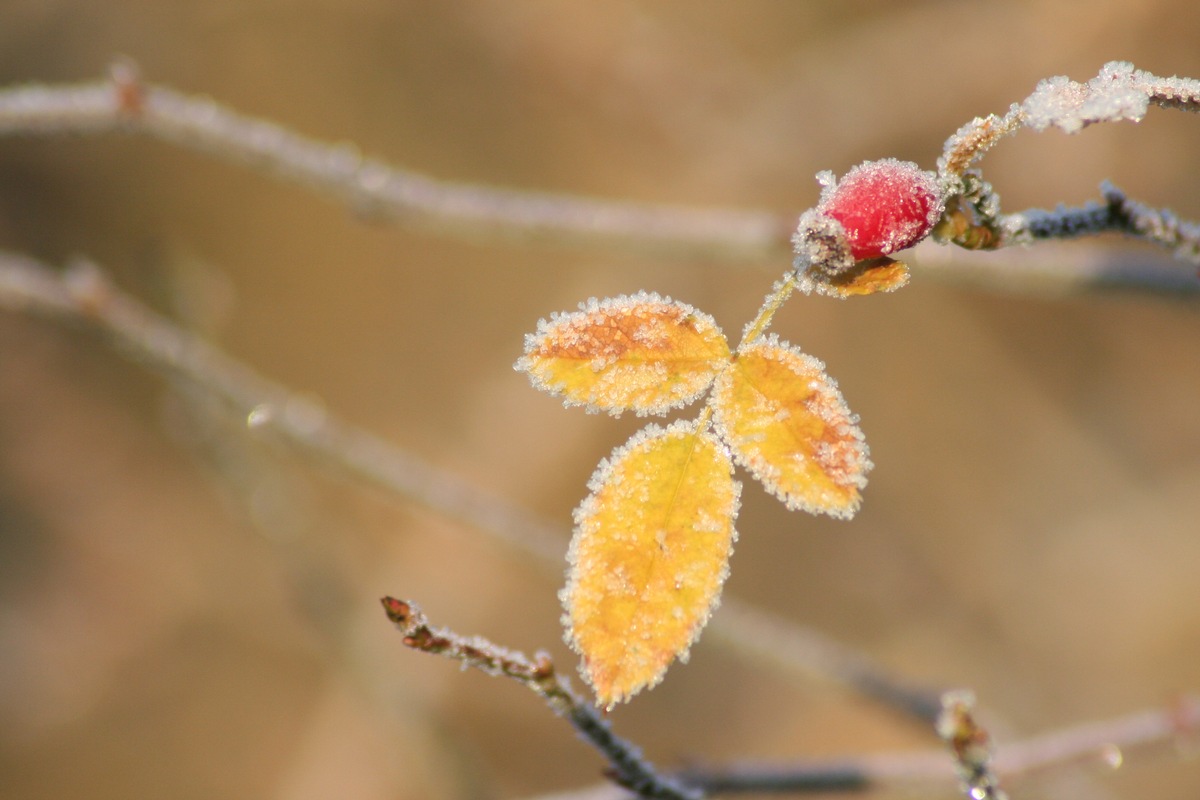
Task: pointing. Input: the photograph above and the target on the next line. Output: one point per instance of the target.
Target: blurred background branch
(376, 189)
(84, 295)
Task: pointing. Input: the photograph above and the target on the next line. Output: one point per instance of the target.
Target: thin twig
(1117, 214)
(84, 295)
(628, 767)
(123, 105)
(1105, 743)
(970, 142)
(780, 292)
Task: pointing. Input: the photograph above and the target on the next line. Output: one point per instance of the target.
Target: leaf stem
(775, 300)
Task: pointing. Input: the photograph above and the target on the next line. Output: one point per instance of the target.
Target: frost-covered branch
(629, 768)
(83, 295)
(1119, 93)
(1117, 214)
(124, 105)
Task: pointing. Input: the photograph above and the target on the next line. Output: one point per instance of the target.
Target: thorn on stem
(88, 287)
(126, 79)
(1185, 719)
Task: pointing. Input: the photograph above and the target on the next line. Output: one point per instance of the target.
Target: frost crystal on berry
(883, 206)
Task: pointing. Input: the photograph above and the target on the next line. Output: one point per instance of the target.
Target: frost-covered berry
(884, 206)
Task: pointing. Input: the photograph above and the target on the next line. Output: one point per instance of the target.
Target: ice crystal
(1118, 93)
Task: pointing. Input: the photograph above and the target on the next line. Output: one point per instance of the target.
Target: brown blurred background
(189, 612)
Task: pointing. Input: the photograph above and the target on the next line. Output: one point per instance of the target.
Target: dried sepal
(866, 277)
(640, 353)
(786, 422)
(822, 252)
(650, 553)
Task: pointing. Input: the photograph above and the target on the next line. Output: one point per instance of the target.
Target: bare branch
(1118, 93)
(629, 768)
(124, 105)
(971, 141)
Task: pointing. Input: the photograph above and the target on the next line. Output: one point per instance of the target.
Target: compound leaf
(650, 553)
(637, 353)
(786, 422)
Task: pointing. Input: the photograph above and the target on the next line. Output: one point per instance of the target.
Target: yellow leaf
(641, 353)
(786, 422)
(650, 552)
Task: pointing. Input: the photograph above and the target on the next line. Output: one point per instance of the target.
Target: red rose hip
(884, 206)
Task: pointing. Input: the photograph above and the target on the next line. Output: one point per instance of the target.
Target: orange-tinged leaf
(786, 422)
(637, 353)
(650, 552)
(866, 277)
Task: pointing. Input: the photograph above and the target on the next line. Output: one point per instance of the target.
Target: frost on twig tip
(627, 766)
(1120, 92)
